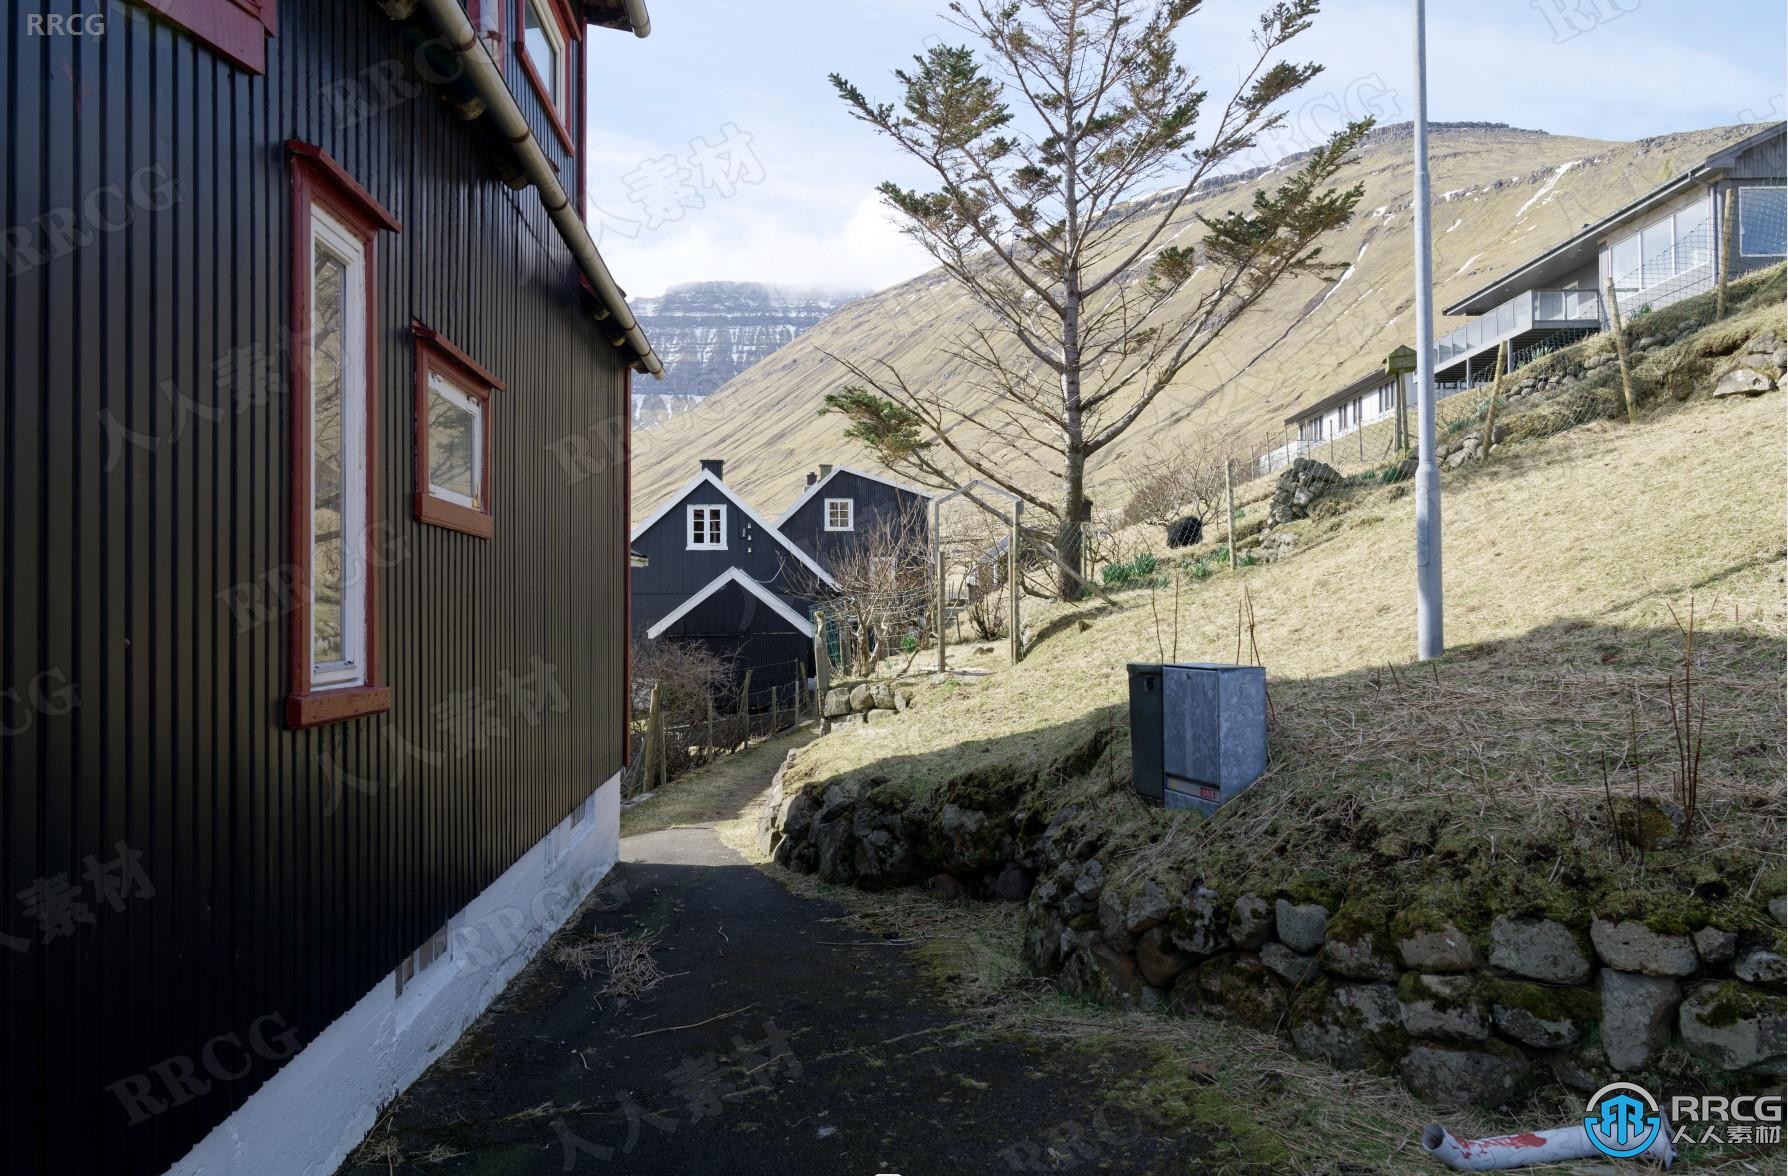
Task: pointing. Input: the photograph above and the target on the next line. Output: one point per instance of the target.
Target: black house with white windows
(842, 508)
(719, 574)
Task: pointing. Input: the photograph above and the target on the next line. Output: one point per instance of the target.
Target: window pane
(329, 286)
(453, 456)
(1762, 222)
(1654, 244)
(541, 49)
(1694, 237)
(1626, 263)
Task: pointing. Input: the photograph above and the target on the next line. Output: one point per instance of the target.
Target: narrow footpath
(780, 1040)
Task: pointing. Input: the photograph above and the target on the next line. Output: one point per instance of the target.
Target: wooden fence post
(1620, 352)
(1731, 214)
(774, 691)
(651, 735)
(1502, 369)
(822, 658)
(1015, 584)
(745, 710)
(710, 743)
(1229, 497)
(937, 537)
(800, 689)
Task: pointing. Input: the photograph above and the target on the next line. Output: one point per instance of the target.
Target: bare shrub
(689, 678)
(880, 592)
(1167, 485)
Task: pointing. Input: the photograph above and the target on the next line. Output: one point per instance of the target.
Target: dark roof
(1574, 252)
(1365, 383)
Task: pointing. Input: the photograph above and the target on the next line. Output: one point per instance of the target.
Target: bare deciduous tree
(1039, 145)
(880, 590)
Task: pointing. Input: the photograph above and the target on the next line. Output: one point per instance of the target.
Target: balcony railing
(1534, 309)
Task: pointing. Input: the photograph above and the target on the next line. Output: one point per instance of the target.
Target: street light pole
(1430, 639)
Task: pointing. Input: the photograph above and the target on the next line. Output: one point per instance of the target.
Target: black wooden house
(841, 509)
(312, 667)
(720, 575)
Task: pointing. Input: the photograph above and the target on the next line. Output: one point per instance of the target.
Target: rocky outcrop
(1303, 483)
(709, 332)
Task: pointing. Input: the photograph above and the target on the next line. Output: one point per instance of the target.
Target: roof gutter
(638, 17)
(500, 104)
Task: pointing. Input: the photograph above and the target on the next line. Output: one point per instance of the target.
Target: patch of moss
(1086, 922)
(1359, 918)
(1576, 1005)
(1167, 1091)
(1414, 988)
(1732, 1003)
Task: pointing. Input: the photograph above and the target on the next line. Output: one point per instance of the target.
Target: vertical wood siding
(271, 897)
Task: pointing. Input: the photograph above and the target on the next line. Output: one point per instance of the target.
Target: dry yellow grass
(1564, 562)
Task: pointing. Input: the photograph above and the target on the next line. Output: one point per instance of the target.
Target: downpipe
(1530, 1147)
(481, 71)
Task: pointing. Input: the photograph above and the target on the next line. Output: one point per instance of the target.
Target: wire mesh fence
(662, 748)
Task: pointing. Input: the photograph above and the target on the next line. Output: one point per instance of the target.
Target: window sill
(322, 707)
(454, 517)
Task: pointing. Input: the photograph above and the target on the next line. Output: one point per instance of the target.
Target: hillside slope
(1502, 195)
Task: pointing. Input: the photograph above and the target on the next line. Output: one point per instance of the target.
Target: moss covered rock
(1735, 1027)
(1541, 1016)
(1443, 1008)
(1246, 992)
(1353, 1026)
(1538, 949)
(1358, 944)
(1487, 1075)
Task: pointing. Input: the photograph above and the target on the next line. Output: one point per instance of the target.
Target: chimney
(812, 478)
(825, 472)
(715, 466)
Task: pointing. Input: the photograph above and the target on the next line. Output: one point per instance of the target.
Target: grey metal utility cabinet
(1214, 736)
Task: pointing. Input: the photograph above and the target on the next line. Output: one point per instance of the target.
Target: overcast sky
(719, 151)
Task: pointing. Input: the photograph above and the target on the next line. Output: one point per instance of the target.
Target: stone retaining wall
(863, 702)
(1461, 1014)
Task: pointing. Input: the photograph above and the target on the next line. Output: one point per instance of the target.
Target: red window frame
(236, 29)
(572, 30)
(317, 179)
(436, 353)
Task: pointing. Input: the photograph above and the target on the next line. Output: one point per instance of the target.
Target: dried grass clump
(626, 960)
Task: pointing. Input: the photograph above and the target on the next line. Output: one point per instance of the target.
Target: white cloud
(738, 242)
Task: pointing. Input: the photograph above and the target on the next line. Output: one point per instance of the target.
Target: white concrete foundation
(321, 1104)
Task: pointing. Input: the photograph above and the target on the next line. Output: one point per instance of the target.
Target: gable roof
(808, 494)
(1577, 249)
(769, 528)
(732, 576)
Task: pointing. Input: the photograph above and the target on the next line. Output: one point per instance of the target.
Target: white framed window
(1763, 221)
(1387, 398)
(455, 443)
(338, 452)
(841, 514)
(544, 43)
(707, 528)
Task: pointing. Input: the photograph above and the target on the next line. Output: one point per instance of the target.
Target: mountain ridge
(1503, 194)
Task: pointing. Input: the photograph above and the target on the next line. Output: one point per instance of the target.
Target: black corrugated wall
(145, 455)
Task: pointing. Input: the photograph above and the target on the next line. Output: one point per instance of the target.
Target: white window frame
(330, 234)
(689, 539)
(439, 384)
(850, 514)
(1742, 251)
(559, 84)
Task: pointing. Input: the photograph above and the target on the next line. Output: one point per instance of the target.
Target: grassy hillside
(1477, 778)
(1503, 195)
